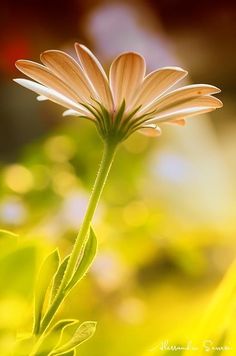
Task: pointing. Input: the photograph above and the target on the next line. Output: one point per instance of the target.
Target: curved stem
(107, 159)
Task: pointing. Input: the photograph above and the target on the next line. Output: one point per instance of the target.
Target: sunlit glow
(60, 148)
(135, 213)
(109, 271)
(12, 312)
(18, 178)
(132, 310)
(63, 181)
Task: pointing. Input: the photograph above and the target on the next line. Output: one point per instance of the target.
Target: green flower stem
(107, 159)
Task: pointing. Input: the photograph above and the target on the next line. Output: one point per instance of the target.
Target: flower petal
(157, 83)
(179, 122)
(184, 94)
(51, 94)
(126, 74)
(41, 98)
(96, 75)
(180, 114)
(66, 68)
(168, 106)
(71, 112)
(150, 130)
(44, 76)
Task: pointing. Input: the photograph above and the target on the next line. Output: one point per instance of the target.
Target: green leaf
(86, 261)
(8, 234)
(68, 353)
(24, 346)
(17, 268)
(58, 277)
(46, 273)
(83, 333)
(8, 240)
(53, 337)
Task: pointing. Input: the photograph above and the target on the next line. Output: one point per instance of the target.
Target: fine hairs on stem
(106, 162)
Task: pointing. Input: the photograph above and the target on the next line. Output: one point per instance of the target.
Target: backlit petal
(96, 75)
(181, 114)
(150, 130)
(168, 106)
(185, 94)
(155, 84)
(126, 74)
(179, 122)
(66, 68)
(41, 98)
(44, 76)
(50, 94)
(71, 112)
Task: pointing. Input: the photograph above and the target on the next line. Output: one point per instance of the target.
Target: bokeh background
(167, 220)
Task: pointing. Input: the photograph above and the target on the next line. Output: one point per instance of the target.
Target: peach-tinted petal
(96, 75)
(179, 122)
(150, 130)
(41, 98)
(189, 103)
(71, 112)
(155, 84)
(50, 94)
(126, 74)
(66, 68)
(83, 88)
(184, 95)
(44, 76)
(181, 114)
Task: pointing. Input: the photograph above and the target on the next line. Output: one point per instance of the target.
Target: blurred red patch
(12, 50)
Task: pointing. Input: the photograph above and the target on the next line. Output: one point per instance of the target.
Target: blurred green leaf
(7, 234)
(84, 332)
(7, 240)
(46, 273)
(68, 353)
(17, 269)
(86, 261)
(24, 346)
(53, 337)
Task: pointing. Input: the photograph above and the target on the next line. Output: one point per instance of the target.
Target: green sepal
(46, 273)
(119, 114)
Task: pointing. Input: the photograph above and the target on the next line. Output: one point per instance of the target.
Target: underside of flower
(116, 125)
(121, 103)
